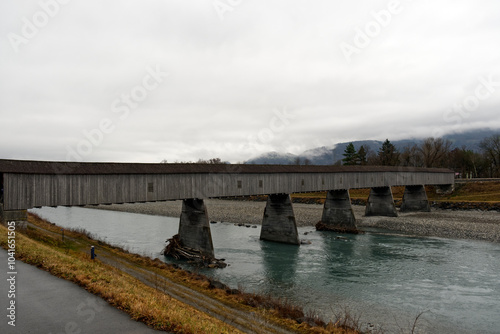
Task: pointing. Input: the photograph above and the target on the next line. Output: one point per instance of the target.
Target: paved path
(50, 305)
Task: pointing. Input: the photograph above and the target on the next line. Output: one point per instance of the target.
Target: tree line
(432, 152)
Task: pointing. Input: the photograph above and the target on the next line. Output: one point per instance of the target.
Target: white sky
(182, 80)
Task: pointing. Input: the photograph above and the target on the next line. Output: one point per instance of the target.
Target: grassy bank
(142, 302)
(69, 259)
(470, 192)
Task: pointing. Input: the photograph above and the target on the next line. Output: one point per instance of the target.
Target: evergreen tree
(388, 154)
(362, 156)
(350, 155)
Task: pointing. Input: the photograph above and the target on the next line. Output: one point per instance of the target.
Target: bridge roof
(83, 168)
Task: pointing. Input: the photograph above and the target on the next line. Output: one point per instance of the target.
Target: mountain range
(329, 155)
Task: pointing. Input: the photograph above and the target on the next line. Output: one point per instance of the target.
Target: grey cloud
(227, 76)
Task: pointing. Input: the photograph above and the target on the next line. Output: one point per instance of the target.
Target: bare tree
(213, 161)
(466, 162)
(372, 158)
(491, 148)
(411, 157)
(434, 152)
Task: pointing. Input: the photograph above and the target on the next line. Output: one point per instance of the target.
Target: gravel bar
(456, 224)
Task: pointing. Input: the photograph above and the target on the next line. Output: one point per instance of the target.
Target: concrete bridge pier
(337, 211)
(381, 203)
(415, 199)
(279, 223)
(18, 216)
(194, 227)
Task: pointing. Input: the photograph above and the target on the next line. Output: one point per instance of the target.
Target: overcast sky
(143, 81)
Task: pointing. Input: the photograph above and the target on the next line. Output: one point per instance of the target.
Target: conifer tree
(388, 154)
(350, 155)
(362, 156)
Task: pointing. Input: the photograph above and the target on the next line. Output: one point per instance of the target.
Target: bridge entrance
(1, 188)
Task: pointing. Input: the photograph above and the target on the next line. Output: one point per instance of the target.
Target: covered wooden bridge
(30, 184)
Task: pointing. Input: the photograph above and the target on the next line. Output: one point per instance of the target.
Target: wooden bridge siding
(24, 191)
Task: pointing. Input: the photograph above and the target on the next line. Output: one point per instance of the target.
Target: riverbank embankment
(161, 295)
(458, 224)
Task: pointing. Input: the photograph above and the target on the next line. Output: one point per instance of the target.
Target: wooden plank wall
(24, 191)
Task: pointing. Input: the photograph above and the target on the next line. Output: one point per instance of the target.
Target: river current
(386, 279)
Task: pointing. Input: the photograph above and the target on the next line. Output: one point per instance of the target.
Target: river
(386, 279)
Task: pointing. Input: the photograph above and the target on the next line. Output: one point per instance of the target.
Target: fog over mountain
(330, 155)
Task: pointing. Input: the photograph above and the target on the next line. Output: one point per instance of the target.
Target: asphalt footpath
(47, 304)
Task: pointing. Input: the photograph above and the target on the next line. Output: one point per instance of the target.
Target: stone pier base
(279, 223)
(415, 200)
(194, 227)
(381, 203)
(337, 212)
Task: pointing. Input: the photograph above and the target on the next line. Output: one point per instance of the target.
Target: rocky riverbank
(458, 224)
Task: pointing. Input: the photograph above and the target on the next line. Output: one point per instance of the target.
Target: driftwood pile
(175, 249)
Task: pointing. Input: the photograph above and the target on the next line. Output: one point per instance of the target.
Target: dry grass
(470, 192)
(143, 303)
(147, 304)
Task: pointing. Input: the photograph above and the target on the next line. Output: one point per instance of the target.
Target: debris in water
(175, 249)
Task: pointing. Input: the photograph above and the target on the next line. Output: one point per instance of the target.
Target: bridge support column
(415, 199)
(278, 223)
(18, 216)
(337, 212)
(381, 203)
(194, 227)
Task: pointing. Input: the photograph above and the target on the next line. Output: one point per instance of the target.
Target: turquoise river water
(384, 278)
